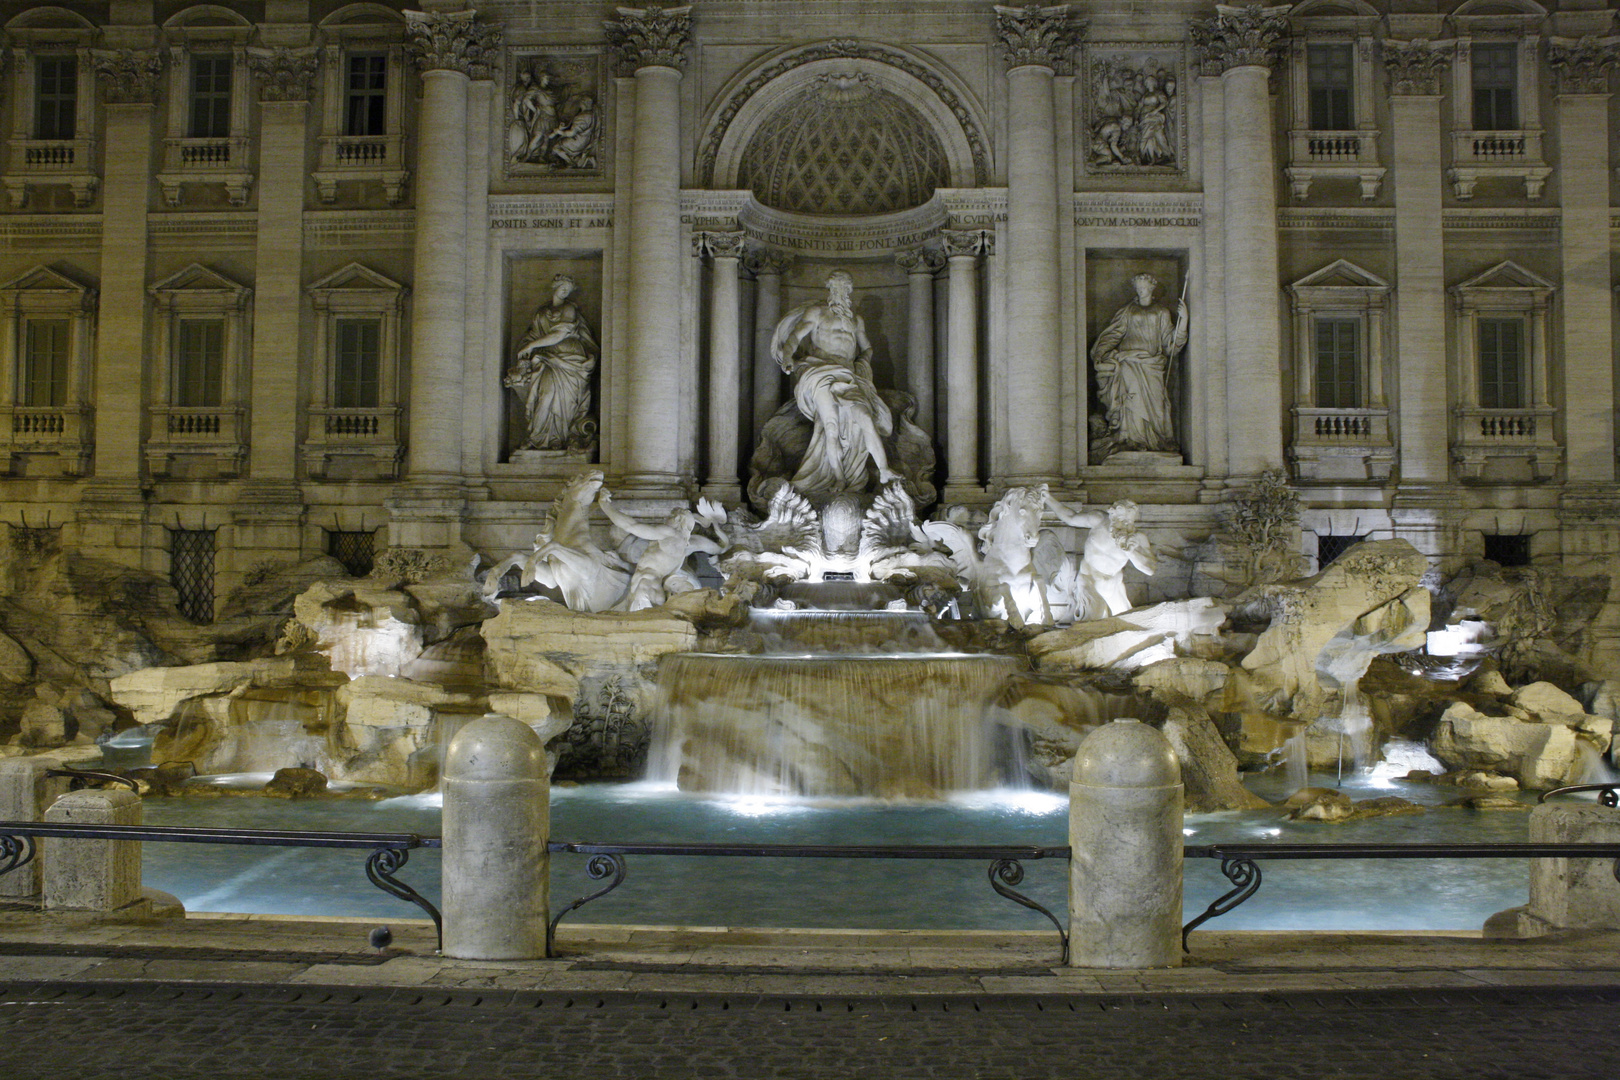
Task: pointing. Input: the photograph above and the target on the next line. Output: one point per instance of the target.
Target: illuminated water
(1337, 895)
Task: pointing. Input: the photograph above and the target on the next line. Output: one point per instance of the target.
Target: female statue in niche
(552, 374)
(1134, 359)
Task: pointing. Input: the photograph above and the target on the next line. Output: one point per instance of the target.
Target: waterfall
(892, 725)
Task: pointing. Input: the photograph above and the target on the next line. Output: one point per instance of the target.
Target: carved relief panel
(554, 113)
(1136, 120)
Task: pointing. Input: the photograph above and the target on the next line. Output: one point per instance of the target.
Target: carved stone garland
(1240, 37)
(651, 37)
(453, 41)
(1417, 67)
(128, 76)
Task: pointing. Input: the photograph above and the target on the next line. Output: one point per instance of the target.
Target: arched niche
(756, 95)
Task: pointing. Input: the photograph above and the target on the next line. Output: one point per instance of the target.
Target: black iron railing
(607, 862)
(389, 851)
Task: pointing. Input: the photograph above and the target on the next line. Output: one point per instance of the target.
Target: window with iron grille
(1330, 546)
(1501, 363)
(191, 572)
(199, 374)
(357, 364)
(355, 550)
(365, 104)
(1496, 87)
(56, 96)
(1338, 363)
(1505, 550)
(1330, 78)
(210, 96)
(42, 376)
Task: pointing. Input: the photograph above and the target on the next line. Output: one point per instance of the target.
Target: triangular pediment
(44, 279)
(357, 278)
(1506, 275)
(1341, 274)
(197, 278)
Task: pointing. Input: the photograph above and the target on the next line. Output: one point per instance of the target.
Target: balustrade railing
(1334, 147)
(1505, 426)
(51, 155)
(1342, 426)
(362, 151)
(1495, 147)
(47, 427)
(359, 425)
(210, 425)
(220, 154)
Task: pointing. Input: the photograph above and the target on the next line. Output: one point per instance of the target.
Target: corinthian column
(767, 265)
(920, 265)
(962, 251)
(725, 250)
(1240, 45)
(448, 48)
(1417, 71)
(652, 42)
(1583, 68)
(1038, 41)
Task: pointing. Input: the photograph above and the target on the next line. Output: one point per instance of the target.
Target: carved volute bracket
(453, 41)
(923, 260)
(1582, 65)
(1039, 36)
(128, 76)
(1251, 36)
(973, 242)
(1417, 67)
(284, 74)
(650, 37)
(719, 245)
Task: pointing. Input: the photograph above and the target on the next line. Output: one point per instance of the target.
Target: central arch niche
(843, 145)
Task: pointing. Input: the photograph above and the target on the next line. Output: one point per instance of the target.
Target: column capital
(128, 76)
(768, 261)
(967, 242)
(921, 260)
(1037, 36)
(453, 41)
(1417, 67)
(1237, 37)
(719, 245)
(1582, 64)
(651, 37)
(284, 74)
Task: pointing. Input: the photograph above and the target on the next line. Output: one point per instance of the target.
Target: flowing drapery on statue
(552, 374)
(1134, 359)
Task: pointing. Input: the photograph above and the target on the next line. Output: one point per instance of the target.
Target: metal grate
(191, 572)
(1330, 546)
(1504, 550)
(357, 551)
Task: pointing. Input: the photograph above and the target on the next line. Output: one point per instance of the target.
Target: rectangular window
(56, 96)
(1501, 364)
(1329, 75)
(1330, 546)
(356, 365)
(43, 375)
(210, 96)
(191, 572)
(365, 97)
(1338, 363)
(357, 551)
(1496, 87)
(199, 370)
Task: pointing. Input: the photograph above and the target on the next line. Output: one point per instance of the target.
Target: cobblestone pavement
(138, 1030)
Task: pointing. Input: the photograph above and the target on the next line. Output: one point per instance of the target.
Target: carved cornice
(975, 242)
(764, 259)
(453, 41)
(923, 260)
(1251, 36)
(1417, 67)
(284, 74)
(1039, 36)
(720, 245)
(128, 76)
(1582, 65)
(650, 37)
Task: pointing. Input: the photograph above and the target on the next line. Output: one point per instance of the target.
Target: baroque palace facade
(288, 277)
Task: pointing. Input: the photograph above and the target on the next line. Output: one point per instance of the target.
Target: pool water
(886, 894)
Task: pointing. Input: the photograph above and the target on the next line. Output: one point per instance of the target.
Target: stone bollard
(497, 820)
(25, 792)
(1125, 828)
(93, 875)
